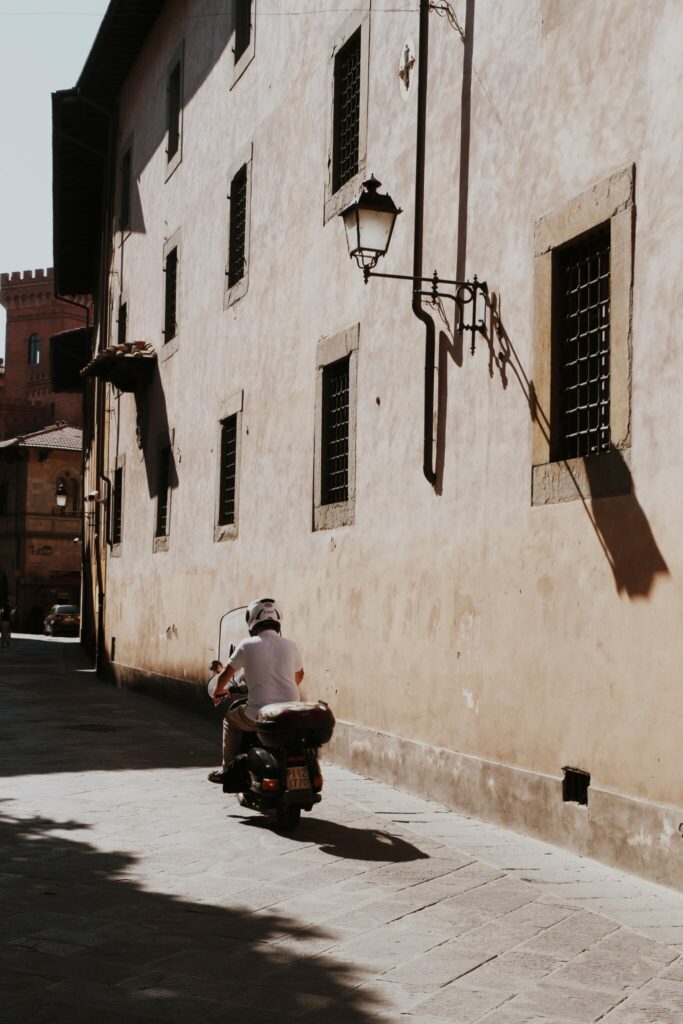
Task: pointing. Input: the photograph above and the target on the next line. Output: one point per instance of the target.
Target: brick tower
(33, 316)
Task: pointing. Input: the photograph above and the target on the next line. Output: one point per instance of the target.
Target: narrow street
(134, 891)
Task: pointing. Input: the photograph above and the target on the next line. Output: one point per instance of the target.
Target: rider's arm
(224, 680)
(298, 676)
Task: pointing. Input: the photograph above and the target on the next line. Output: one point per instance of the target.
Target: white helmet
(263, 614)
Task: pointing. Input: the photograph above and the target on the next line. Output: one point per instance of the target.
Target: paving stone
(131, 891)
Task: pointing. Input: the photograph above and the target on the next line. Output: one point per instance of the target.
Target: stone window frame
(329, 350)
(164, 440)
(120, 463)
(233, 406)
(178, 58)
(124, 230)
(169, 348)
(610, 200)
(335, 202)
(241, 287)
(241, 65)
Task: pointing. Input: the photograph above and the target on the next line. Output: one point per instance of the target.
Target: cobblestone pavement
(133, 891)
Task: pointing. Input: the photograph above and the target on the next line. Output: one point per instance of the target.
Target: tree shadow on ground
(84, 941)
(346, 842)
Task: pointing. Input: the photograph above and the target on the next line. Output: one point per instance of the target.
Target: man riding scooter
(273, 670)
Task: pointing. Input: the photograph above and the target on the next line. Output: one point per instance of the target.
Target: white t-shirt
(270, 662)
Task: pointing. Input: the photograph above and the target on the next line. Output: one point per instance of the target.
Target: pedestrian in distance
(5, 625)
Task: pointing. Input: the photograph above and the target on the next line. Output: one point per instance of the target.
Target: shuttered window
(238, 227)
(242, 27)
(347, 80)
(228, 471)
(581, 351)
(163, 484)
(117, 507)
(174, 104)
(171, 295)
(335, 432)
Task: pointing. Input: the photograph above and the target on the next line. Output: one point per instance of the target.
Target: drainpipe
(420, 313)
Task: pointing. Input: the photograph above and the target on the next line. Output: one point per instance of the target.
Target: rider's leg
(234, 724)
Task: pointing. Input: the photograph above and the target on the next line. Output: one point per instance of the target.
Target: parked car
(63, 620)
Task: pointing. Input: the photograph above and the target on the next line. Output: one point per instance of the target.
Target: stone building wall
(478, 637)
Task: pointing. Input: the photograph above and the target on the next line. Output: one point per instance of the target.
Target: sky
(43, 47)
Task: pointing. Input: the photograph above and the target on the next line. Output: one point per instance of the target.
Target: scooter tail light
(317, 782)
(270, 785)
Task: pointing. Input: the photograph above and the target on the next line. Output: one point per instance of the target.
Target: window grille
(582, 346)
(122, 328)
(163, 483)
(34, 350)
(124, 212)
(117, 507)
(335, 432)
(228, 470)
(170, 303)
(174, 99)
(238, 227)
(346, 112)
(242, 27)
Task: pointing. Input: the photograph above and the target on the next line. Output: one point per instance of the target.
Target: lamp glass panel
(351, 227)
(61, 501)
(375, 229)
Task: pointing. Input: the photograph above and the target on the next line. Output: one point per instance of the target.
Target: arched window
(34, 349)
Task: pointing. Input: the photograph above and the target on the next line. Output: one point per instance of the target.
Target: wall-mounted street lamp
(369, 223)
(60, 495)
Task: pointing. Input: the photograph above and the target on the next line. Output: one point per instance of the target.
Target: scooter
(277, 771)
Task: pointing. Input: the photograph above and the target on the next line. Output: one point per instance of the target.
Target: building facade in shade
(40, 542)
(478, 550)
(34, 315)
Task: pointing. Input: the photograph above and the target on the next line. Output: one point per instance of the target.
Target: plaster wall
(460, 617)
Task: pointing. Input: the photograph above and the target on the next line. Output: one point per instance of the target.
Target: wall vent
(575, 786)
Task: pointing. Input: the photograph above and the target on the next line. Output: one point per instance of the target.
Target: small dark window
(228, 480)
(581, 347)
(34, 350)
(122, 327)
(174, 103)
(4, 492)
(238, 227)
(346, 112)
(171, 295)
(335, 432)
(242, 27)
(124, 211)
(575, 786)
(117, 507)
(74, 491)
(163, 484)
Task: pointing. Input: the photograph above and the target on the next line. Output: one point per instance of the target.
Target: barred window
(124, 206)
(122, 326)
(242, 27)
(174, 89)
(228, 471)
(34, 350)
(117, 507)
(335, 432)
(238, 227)
(171, 294)
(346, 131)
(581, 351)
(163, 484)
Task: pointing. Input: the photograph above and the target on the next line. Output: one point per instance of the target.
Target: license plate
(297, 778)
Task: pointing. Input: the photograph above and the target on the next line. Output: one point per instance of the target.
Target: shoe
(217, 776)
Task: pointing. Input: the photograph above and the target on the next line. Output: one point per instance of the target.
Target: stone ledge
(629, 834)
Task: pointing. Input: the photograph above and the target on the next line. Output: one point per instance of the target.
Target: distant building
(34, 315)
(475, 536)
(40, 543)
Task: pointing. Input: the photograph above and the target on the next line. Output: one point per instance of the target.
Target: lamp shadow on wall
(620, 524)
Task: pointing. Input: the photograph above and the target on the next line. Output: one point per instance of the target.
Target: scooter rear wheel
(288, 817)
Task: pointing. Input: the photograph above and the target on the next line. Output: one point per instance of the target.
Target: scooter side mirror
(215, 666)
(232, 650)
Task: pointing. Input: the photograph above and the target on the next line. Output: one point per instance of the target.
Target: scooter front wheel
(288, 817)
